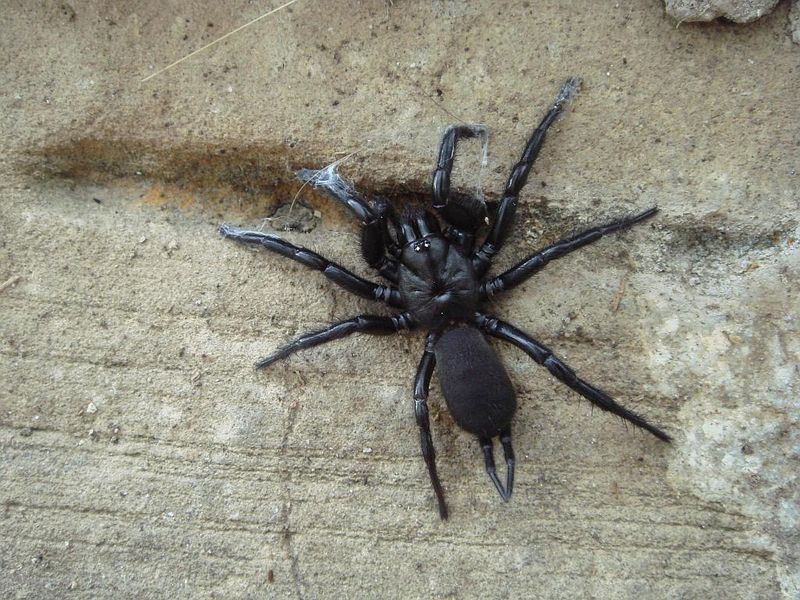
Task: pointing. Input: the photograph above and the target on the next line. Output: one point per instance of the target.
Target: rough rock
(739, 11)
(794, 21)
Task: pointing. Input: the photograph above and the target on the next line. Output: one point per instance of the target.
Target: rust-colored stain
(161, 194)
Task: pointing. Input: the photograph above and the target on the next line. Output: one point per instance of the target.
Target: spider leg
(464, 213)
(336, 273)
(421, 384)
(375, 238)
(520, 272)
(558, 369)
(517, 180)
(378, 248)
(447, 153)
(370, 324)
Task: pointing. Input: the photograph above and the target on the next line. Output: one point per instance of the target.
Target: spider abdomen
(476, 387)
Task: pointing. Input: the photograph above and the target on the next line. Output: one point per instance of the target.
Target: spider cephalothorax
(436, 281)
(437, 277)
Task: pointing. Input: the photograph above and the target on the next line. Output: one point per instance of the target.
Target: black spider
(438, 279)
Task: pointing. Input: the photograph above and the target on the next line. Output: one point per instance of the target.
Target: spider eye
(424, 244)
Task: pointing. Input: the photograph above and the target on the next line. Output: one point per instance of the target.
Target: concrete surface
(142, 456)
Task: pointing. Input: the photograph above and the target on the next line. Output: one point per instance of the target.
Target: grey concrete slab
(142, 456)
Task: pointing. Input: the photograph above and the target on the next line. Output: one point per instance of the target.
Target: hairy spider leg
(558, 369)
(504, 218)
(371, 324)
(377, 246)
(520, 272)
(422, 383)
(336, 273)
(488, 459)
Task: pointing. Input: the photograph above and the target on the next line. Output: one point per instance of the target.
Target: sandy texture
(142, 456)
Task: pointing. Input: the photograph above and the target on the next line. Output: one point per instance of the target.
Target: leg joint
(560, 370)
(402, 322)
(486, 322)
(387, 294)
(492, 287)
(483, 257)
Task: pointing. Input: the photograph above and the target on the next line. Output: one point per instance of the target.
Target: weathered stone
(739, 11)
(794, 21)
